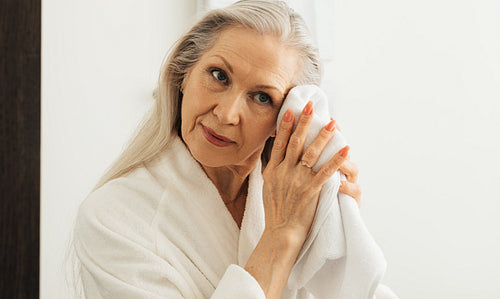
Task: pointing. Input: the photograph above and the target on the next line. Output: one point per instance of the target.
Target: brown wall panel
(20, 23)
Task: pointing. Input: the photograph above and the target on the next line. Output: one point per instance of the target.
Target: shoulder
(125, 206)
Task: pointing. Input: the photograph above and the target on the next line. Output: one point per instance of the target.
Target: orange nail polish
(336, 126)
(288, 115)
(308, 108)
(331, 126)
(343, 152)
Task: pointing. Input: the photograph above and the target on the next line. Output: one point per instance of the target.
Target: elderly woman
(165, 220)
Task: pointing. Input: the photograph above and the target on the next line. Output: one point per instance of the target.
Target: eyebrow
(269, 87)
(258, 86)
(225, 62)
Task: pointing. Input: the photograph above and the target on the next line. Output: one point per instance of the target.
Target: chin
(207, 156)
(208, 160)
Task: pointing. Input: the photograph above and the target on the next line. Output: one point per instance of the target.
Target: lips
(215, 138)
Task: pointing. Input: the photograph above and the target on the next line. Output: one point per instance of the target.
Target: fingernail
(288, 115)
(343, 152)
(308, 108)
(336, 125)
(331, 126)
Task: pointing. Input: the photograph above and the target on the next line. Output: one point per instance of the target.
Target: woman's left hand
(351, 186)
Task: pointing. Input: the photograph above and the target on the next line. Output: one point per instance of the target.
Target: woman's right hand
(291, 193)
(291, 188)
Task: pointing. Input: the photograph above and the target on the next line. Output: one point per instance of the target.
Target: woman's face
(232, 97)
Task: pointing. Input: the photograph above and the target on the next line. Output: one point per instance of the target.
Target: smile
(214, 138)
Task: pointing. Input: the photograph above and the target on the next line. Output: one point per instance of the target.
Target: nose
(228, 108)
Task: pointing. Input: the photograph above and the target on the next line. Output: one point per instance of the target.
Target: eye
(219, 75)
(262, 98)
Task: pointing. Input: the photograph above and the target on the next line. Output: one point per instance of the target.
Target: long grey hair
(163, 120)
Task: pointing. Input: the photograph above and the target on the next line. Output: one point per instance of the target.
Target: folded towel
(339, 258)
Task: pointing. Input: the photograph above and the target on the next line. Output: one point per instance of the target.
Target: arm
(117, 261)
(117, 249)
(272, 261)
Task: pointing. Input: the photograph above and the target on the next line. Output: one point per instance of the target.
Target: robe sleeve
(238, 283)
(118, 257)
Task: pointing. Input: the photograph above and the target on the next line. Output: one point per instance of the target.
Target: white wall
(416, 89)
(100, 62)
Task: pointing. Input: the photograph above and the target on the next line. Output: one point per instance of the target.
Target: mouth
(214, 138)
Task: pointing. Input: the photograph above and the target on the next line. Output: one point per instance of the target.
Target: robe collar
(188, 170)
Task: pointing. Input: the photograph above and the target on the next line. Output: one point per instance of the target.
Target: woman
(165, 220)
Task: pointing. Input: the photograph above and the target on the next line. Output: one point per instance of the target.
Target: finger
(314, 150)
(338, 128)
(298, 137)
(350, 170)
(281, 139)
(351, 189)
(331, 166)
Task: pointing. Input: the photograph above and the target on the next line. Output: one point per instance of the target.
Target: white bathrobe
(163, 231)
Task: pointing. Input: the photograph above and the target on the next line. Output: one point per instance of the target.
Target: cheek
(198, 95)
(188, 112)
(264, 127)
(184, 119)
(270, 125)
(191, 101)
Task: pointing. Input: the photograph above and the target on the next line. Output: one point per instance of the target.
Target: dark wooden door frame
(20, 36)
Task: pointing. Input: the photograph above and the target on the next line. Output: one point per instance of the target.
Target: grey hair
(162, 122)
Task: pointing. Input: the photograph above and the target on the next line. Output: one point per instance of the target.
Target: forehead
(263, 57)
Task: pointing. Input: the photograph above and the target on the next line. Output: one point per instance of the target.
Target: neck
(230, 180)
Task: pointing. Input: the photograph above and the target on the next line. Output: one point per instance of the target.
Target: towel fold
(339, 258)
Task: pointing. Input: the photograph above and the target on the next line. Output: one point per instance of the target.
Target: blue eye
(262, 98)
(219, 75)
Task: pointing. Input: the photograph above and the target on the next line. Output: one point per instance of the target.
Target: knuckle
(295, 141)
(339, 160)
(286, 127)
(310, 154)
(278, 145)
(328, 170)
(350, 189)
(355, 169)
(304, 119)
(325, 134)
(295, 185)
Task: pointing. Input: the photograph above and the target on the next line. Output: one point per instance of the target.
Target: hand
(291, 189)
(351, 186)
(290, 194)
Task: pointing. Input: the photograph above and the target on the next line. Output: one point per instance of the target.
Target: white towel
(339, 258)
